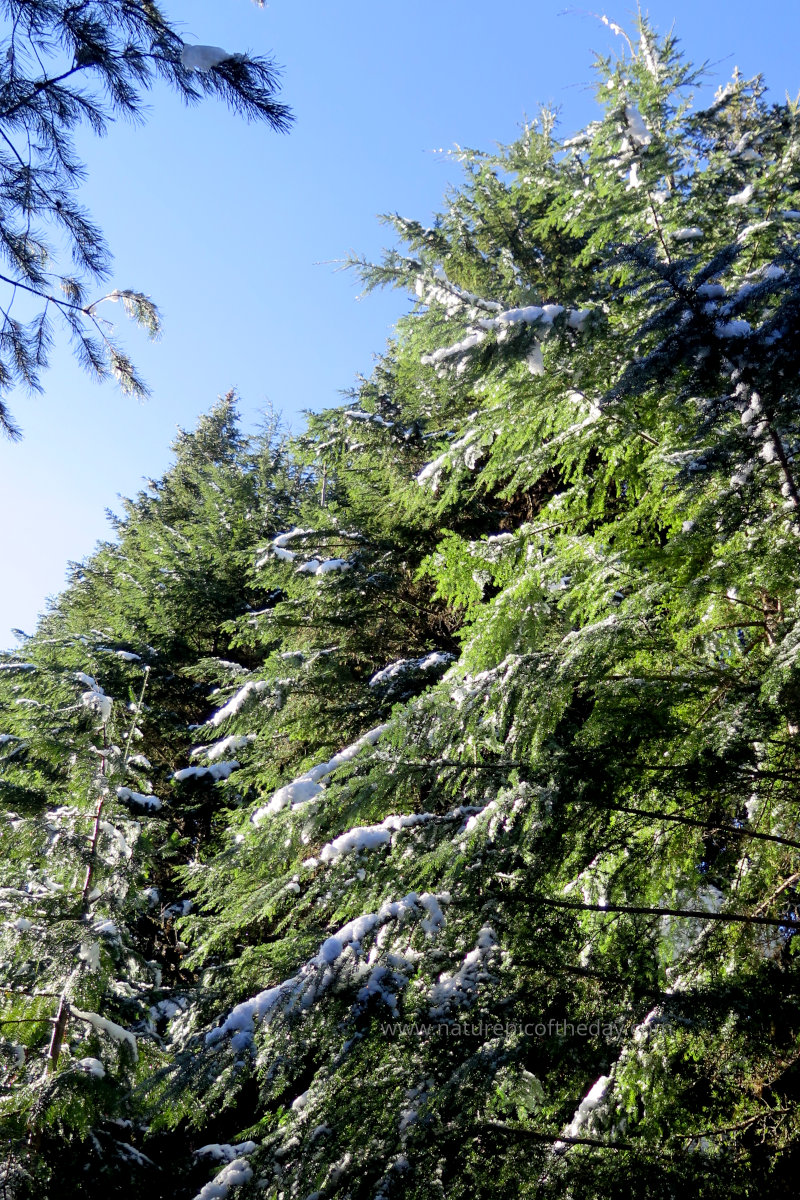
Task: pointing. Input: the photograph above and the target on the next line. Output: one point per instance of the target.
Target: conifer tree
(96, 719)
(485, 840)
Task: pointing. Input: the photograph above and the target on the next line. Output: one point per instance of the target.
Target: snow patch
(224, 746)
(458, 990)
(237, 702)
(233, 1175)
(148, 803)
(91, 1066)
(216, 771)
(314, 976)
(741, 198)
(309, 785)
(392, 678)
(203, 58)
(689, 234)
(103, 1025)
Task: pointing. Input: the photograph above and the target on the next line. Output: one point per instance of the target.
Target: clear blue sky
(232, 229)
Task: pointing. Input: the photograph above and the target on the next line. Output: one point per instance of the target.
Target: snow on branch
(369, 837)
(315, 976)
(541, 317)
(216, 771)
(104, 1025)
(453, 299)
(204, 58)
(391, 680)
(237, 702)
(235, 1174)
(309, 785)
(277, 547)
(95, 698)
(224, 746)
(146, 803)
(458, 989)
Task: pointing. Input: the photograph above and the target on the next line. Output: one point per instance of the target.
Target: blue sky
(234, 230)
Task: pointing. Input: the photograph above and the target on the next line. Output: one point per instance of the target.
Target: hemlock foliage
(409, 809)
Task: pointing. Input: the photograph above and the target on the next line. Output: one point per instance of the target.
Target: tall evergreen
(473, 714)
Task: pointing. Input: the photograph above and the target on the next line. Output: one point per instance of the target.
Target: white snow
(151, 803)
(741, 198)
(368, 837)
(690, 234)
(637, 127)
(578, 317)
(224, 1152)
(453, 298)
(283, 538)
(438, 356)
(309, 785)
(593, 1099)
(114, 1031)
(317, 566)
(360, 838)
(119, 847)
(650, 55)
(106, 927)
(234, 1174)
(372, 418)
(713, 291)
(203, 58)
(435, 920)
(398, 672)
(431, 471)
(224, 746)
(530, 315)
(237, 702)
(377, 985)
(535, 360)
(89, 953)
(315, 975)
(458, 989)
(95, 698)
(732, 328)
(139, 760)
(277, 547)
(92, 1066)
(217, 771)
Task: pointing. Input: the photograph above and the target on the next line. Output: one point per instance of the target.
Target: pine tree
(69, 65)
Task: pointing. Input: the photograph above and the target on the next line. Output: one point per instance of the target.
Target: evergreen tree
(67, 65)
(95, 721)
(478, 711)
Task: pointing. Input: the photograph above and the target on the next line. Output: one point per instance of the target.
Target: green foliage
(473, 712)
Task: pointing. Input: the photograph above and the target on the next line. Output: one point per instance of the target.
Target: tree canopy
(407, 809)
(66, 66)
